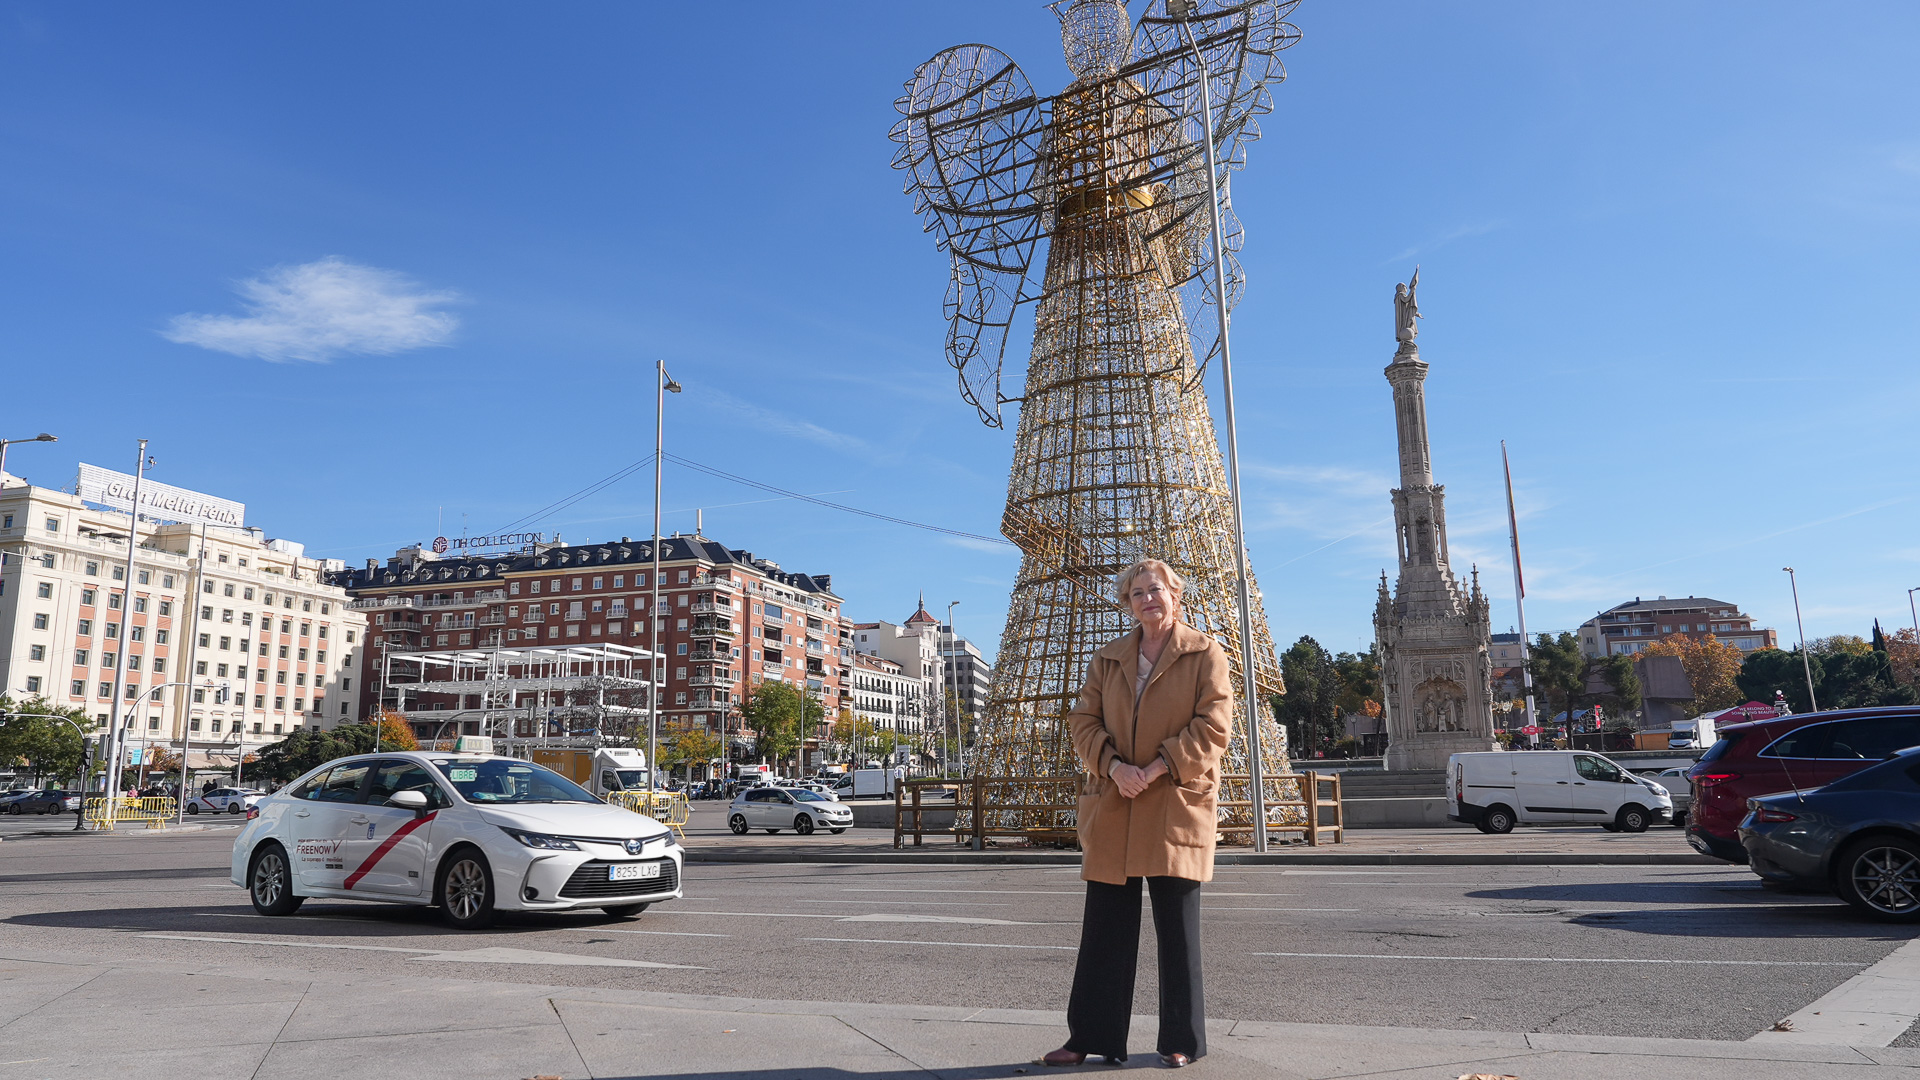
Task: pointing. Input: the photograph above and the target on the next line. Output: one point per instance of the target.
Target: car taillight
(1767, 813)
(252, 812)
(1714, 779)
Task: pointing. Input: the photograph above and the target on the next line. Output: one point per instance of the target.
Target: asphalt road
(1692, 952)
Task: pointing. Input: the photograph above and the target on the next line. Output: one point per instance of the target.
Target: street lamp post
(656, 671)
(115, 739)
(1183, 11)
(4, 443)
(1806, 664)
(946, 709)
(1915, 613)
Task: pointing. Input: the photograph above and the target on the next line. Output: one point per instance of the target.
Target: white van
(1496, 789)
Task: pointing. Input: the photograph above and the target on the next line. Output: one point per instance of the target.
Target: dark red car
(1802, 750)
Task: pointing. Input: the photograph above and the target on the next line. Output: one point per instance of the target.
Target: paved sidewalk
(64, 1017)
(709, 841)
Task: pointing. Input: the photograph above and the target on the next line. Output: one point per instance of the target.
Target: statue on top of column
(1406, 308)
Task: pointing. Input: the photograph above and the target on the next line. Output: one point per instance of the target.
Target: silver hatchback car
(775, 808)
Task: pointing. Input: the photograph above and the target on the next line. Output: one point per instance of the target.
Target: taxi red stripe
(386, 845)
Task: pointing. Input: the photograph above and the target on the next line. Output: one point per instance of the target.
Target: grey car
(45, 802)
(775, 808)
(1857, 837)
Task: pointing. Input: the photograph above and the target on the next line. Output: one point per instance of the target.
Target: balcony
(576, 616)
(493, 620)
(617, 611)
(476, 600)
(536, 616)
(713, 628)
(379, 602)
(712, 679)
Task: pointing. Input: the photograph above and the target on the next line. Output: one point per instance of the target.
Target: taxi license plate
(633, 871)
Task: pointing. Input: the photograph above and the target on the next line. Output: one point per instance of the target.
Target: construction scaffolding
(577, 695)
(1115, 458)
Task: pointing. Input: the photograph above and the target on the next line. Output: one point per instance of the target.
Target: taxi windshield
(501, 780)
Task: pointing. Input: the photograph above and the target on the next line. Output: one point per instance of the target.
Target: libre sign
(162, 502)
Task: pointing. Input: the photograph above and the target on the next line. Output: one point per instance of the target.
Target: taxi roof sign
(473, 744)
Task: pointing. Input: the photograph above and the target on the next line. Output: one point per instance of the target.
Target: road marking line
(962, 944)
(660, 933)
(1218, 907)
(917, 903)
(285, 944)
(1873, 1008)
(501, 955)
(874, 917)
(1562, 959)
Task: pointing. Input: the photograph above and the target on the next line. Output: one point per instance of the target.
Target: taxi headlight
(541, 840)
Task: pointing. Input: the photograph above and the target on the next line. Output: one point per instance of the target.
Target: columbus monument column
(1432, 634)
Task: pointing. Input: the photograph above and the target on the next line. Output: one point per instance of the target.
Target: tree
(1903, 653)
(310, 748)
(395, 732)
(1558, 669)
(1712, 667)
(782, 717)
(1359, 683)
(49, 747)
(1310, 707)
(1842, 678)
(688, 744)
(1618, 685)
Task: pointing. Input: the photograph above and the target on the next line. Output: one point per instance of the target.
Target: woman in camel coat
(1151, 726)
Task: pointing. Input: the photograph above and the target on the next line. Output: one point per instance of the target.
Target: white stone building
(267, 645)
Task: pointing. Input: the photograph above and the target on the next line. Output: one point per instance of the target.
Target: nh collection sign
(443, 544)
(162, 502)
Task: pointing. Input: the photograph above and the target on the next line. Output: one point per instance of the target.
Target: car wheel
(465, 890)
(194, 809)
(1633, 818)
(14, 809)
(1881, 876)
(1497, 820)
(803, 824)
(737, 825)
(1680, 820)
(233, 808)
(45, 810)
(270, 882)
(624, 911)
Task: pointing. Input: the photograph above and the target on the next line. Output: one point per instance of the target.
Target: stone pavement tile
(1566, 1065)
(25, 987)
(1328, 1050)
(501, 1053)
(1892, 1055)
(619, 1040)
(1698, 1048)
(182, 1061)
(397, 1006)
(120, 1026)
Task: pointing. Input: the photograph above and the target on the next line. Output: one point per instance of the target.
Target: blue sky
(1669, 252)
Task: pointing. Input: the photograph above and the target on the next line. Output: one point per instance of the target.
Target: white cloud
(320, 310)
(770, 420)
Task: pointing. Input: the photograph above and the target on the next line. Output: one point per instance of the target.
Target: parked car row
(49, 801)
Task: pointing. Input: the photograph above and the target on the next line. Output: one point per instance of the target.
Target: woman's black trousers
(1102, 1001)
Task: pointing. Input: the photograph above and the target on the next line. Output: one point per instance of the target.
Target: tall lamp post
(1915, 613)
(4, 443)
(1183, 11)
(122, 716)
(656, 670)
(1806, 664)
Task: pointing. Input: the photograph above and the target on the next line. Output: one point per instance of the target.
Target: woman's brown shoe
(1063, 1056)
(1175, 1061)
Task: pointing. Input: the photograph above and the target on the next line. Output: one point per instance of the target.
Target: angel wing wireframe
(970, 140)
(1241, 42)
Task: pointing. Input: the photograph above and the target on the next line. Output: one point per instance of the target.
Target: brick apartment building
(728, 620)
(1628, 628)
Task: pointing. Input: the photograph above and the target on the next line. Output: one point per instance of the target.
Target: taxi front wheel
(465, 891)
(270, 882)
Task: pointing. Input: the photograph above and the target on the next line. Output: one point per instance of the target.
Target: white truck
(602, 771)
(862, 783)
(1496, 789)
(1692, 734)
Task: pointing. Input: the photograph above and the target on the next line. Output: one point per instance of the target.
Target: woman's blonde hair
(1126, 578)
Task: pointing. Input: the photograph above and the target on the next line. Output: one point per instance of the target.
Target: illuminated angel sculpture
(1102, 190)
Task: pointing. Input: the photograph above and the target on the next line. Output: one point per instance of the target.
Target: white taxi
(468, 833)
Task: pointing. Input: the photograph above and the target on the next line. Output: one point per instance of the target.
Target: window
(133, 663)
(533, 587)
(144, 577)
(85, 628)
(80, 658)
(221, 670)
(263, 648)
(259, 702)
(33, 684)
(86, 597)
(596, 605)
(323, 631)
(226, 643)
(40, 621)
(226, 614)
(114, 599)
(283, 651)
(206, 614)
(682, 623)
(166, 581)
(639, 581)
(259, 674)
(53, 525)
(160, 665)
(680, 698)
(681, 648)
(206, 641)
(78, 689)
(37, 652)
(200, 667)
(267, 599)
(1872, 737)
(137, 633)
(349, 637)
(93, 568)
(106, 691)
(771, 656)
(306, 629)
(227, 589)
(166, 607)
(325, 609)
(199, 697)
(440, 639)
(576, 584)
(113, 630)
(597, 582)
(619, 581)
(286, 602)
(246, 593)
(1806, 742)
(44, 590)
(108, 659)
(286, 625)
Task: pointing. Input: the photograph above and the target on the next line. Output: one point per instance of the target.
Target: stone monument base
(1430, 751)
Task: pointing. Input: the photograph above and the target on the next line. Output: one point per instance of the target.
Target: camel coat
(1185, 715)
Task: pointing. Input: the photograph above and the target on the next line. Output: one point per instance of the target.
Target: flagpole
(1519, 595)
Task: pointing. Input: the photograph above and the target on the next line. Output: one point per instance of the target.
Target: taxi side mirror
(408, 800)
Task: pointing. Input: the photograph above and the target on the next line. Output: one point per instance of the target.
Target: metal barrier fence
(1318, 817)
(669, 808)
(96, 813)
